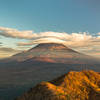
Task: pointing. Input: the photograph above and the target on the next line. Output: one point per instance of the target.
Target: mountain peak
(51, 46)
(53, 52)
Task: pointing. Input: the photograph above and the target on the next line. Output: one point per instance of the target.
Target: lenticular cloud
(72, 39)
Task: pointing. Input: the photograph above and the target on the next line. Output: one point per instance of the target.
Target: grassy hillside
(84, 85)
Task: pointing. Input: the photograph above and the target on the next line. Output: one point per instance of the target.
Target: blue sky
(70, 16)
(46, 15)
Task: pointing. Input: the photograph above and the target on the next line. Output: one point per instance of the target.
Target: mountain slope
(83, 85)
(51, 50)
(58, 53)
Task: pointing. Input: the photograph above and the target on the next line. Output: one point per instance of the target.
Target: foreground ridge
(84, 85)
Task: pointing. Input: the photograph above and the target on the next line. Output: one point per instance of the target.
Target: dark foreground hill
(84, 85)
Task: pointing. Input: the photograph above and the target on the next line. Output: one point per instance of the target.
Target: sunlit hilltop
(84, 85)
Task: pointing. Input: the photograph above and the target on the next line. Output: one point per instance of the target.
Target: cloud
(5, 49)
(14, 33)
(1, 43)
(29, 34)
(81, 41)
(41, 40)
(73, 40)
(6, 52)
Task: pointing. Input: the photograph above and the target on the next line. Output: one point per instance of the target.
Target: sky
(24, 23)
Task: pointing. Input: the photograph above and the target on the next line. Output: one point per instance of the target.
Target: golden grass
(84, 85)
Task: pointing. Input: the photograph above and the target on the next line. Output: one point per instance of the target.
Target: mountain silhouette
(84, 85)
(54, 52)
(49, 50)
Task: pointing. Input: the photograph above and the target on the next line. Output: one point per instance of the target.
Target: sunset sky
(24, 23)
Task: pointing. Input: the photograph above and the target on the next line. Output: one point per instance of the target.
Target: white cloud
(14, 33)
(74, 40)
(29, 34)
(42, 40)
